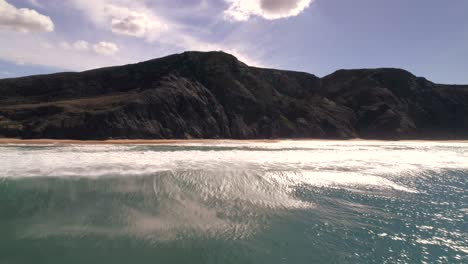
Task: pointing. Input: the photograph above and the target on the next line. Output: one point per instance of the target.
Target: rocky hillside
(213, 95)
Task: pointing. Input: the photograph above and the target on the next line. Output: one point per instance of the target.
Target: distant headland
(212, 95)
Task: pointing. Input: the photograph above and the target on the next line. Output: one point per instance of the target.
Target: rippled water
(235, 202)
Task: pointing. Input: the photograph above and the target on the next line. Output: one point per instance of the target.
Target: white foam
(321, 163)
(248, 177)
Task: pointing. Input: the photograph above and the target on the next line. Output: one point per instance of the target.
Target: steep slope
(393, 103)
(213, 95)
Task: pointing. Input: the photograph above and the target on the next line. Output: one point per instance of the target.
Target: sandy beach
(123, 141)
(19, 141)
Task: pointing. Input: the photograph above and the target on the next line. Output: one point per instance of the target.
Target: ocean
(235, 202)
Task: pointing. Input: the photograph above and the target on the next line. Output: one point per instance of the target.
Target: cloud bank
(102, 48)
(54, 52)
(242, 10)
(23, 19)
(161, 33)
(138, 19)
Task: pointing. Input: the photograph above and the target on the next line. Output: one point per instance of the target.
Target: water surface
(235, 202)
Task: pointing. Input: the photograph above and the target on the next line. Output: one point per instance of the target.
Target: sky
(427, 37)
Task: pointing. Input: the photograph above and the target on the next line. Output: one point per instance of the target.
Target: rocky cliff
(213, 95)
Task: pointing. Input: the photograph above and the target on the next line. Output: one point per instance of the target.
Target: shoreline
(18, 141)
(44, 141)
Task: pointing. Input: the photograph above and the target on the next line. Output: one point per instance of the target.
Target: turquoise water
(234, 202)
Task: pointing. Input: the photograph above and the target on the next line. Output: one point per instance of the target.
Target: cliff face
(213, 95)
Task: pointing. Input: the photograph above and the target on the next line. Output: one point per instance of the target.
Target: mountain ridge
(214, 95)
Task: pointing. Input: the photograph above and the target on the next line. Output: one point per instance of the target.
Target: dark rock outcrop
(213, 95)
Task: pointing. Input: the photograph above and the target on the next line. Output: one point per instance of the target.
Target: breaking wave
(234, 191)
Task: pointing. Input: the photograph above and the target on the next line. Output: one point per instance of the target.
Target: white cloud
(131, 23)
(45, 45)
(124, 17)
(65, 45)
(56, 51)
(106, 48)
(46, 50)
(81, 45)
(23, 19)
(134, 18)
(242, 10)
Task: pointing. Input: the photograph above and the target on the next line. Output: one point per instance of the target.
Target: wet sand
(182, 141)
